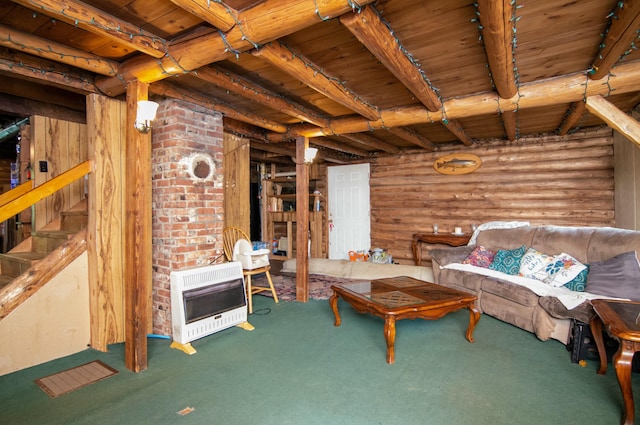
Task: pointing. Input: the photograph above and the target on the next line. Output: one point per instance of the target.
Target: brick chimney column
(188, 196)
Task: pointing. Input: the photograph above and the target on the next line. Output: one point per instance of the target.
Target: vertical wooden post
(302, 221)
(137, 233)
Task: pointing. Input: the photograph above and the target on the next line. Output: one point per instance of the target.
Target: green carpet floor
(297, 368)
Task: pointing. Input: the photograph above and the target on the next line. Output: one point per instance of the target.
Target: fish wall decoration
(457, 163)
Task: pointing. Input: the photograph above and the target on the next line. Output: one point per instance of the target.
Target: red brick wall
(188, 213)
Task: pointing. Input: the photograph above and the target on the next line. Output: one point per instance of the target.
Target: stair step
(74, 220)
(16, 263)
(49, 240)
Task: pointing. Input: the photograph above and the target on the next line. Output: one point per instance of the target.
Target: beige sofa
(545, 316)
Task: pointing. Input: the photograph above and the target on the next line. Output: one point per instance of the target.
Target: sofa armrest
(445, 256)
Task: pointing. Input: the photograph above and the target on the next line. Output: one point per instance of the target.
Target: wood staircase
(29, 252)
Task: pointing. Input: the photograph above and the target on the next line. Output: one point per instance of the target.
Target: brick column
(187, 196)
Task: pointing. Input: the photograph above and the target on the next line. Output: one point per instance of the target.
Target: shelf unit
(279, 215)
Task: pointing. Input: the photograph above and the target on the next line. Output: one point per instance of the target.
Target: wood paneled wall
(62, 145)
(549, 180)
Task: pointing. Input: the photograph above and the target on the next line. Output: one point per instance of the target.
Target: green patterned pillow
(508, 261)
(579, 283)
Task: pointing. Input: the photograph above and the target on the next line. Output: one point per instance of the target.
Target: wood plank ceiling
(361, 78)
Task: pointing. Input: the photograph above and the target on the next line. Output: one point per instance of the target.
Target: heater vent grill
(214, 295)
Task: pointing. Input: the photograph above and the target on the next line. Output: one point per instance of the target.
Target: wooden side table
(622, 320)
(450, 239)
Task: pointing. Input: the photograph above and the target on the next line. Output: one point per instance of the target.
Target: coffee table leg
(596, 332)
(474, 317)
(333, 302)
(622, 361)
(390, 337)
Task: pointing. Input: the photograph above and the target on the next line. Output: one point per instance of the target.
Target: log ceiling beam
(216, 13)
(263, 23)
(21, 65)
(620, 36)
(340, 147)
(367, 26)
(99, 22)
(509, 121)
(614, 117)
(553, 91)
(26, 107)
(496, 19)
(51, 50)
(370, 142)
(45, 94)
(411, 136)
(295, 64)
(455, 128)
(247, 89)
(162, 88)
(576, 112)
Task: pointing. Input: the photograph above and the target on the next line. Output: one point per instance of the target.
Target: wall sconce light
(309, 155)
(145, 115)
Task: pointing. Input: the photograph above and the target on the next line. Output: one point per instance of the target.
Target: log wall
(545, 181)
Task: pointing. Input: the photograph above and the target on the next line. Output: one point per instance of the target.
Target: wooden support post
(302, 222)
(137, 238)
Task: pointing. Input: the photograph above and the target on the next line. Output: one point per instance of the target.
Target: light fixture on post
(145, 115)
(309, 154)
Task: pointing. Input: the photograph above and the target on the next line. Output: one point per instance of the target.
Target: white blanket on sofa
(570, 299)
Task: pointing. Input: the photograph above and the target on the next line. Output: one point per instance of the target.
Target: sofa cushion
(480, 257)
(584, 312)
(563, 269)
(509, 291)
(445, 256)
(459, 280)
(508, 260)
(616, 277)
(534, 264)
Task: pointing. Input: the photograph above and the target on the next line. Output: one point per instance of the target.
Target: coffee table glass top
(629, 313)
(402, 292)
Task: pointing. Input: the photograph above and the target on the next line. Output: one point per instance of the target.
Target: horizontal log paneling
(551, 180)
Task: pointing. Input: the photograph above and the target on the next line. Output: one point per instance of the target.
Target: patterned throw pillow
(563, 269)
(508, 261)
(480, 257)
(579, 283)
(534, 264)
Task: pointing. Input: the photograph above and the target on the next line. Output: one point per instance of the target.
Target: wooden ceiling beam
(51, 50)
(99, 22)
(411, 136)
(24, 66)
(44, 93)
(25, 107)
(247, 89)
(370, 142)
(340, 147)
(496, 19)
(509, 121)
(265, 22)
(614, 117)
(620, 36)
(165, 89)
(552, 91)
(455, 128)
(216, 13)
(295, 64)
(576, 112)
(367, 26)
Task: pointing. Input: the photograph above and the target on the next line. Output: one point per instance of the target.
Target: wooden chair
(237, 247)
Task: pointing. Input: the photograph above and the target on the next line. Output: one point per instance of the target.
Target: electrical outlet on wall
(44, 166)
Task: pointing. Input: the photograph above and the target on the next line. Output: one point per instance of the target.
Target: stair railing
(22, 197)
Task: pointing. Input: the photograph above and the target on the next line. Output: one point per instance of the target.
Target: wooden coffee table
(400, 298)
(622, 320)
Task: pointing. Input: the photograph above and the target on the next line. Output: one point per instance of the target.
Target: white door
(349, 220)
